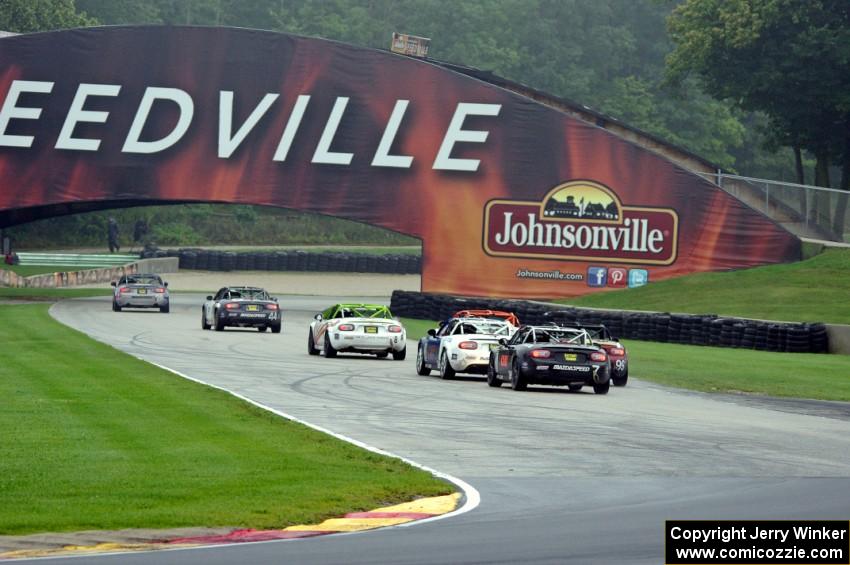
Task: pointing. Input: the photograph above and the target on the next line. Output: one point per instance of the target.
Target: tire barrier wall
(690, 329)
(200, 259)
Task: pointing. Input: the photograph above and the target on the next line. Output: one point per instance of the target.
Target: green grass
(815, 290)
(95, 439)
(416, 329)
(718, 369)
(715, 369)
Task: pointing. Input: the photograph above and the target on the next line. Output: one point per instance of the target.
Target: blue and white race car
(461, 345)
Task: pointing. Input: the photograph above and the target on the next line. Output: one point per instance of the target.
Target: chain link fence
(807, 211)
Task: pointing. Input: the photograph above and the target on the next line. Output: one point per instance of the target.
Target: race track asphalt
(563, 477)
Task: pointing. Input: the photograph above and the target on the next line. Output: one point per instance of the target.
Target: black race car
(241, 306)
(549, 355)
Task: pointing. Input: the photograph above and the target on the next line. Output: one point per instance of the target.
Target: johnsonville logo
(581, 220)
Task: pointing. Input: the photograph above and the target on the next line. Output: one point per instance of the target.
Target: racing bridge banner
(509, 197)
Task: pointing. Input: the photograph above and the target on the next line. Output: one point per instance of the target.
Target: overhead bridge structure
(511, 194)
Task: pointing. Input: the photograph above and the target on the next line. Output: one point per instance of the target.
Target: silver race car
(140, 291)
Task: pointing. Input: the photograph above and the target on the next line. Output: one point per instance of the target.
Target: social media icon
(617, 277)
(597, 276)
(638, 277)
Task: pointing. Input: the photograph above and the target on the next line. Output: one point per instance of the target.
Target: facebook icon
(597, 276)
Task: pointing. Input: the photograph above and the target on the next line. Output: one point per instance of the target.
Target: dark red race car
(616, 352)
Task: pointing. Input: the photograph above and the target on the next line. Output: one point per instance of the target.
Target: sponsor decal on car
(572, 368)
(581, 220)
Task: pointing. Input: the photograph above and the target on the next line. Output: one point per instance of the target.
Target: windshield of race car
(364, 312)
(598, 333)
(249, 294)
(559, 335)
(486, 327)
(144, 279)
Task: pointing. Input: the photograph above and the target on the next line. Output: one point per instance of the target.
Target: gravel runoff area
(318, 284)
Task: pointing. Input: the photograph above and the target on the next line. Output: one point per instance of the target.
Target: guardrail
(814, 212)
(75, 259)
(691, 329)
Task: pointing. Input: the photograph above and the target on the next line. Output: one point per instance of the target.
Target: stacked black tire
(200, 259)
(690, 329)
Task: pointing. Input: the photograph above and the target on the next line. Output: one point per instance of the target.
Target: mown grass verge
(814, 290)
(93, 438)
(719, 369)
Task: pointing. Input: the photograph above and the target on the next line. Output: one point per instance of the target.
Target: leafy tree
(26, 16)
(787, 58)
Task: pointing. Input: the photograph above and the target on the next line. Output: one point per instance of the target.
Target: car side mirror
(165, 284)
(113, 283)
(274, 298)
(432, 332)
(209, 297)
(503, 341)
(318, 317)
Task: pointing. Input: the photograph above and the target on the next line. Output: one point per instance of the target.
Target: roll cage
(551, 334)
(377, 311)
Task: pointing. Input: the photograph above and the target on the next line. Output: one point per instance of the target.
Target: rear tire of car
(330, 352)
(517, 380)
(276, 328)
(261, 329)
(601, 388)
(446, 371)
(204, 324)
(219, 324)
(492, 379)
(421, 369)
(165, 309)
(400, 355)
(115, 307)
(574, 388)
(621, 381)
(311, 345)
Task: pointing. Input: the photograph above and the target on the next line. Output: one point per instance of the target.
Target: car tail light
(159, 290)
(271, 306)
(617, 351)
(125, 289)
(598, 356)
(468, 345)
(231, 306)
(395, 329)
(541, 353)
(346, 327)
